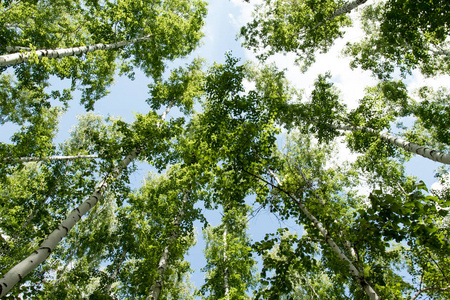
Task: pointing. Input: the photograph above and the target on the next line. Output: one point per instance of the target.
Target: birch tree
(173, 28)
(328, 209)
(403, 35)
(301, 27)
(324, 114)
(149, 125)
(229, 264)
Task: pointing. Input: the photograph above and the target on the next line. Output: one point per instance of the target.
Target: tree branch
(428, 289)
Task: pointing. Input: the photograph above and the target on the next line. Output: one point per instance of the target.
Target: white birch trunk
(410, 147)
(353, 270)
(51, 158)
(19, 271)
(226, 284)
(343, 10)
(164, 260)
(441, 52)
(17, 58)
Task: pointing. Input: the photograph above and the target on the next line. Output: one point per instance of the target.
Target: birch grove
(18, 272)
(298, 195)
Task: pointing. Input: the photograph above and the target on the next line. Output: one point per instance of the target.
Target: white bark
(353, 270)
(410, 147)
(441, 52)
(343, 10)
(226, 284)
(19, 271)
(164, 260)
(17, 58)
(52, 158)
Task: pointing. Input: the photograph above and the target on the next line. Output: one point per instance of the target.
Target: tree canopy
(233, 137)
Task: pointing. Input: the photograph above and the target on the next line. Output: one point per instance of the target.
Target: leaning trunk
(50, 158)
(410, 147)
(342, 10)
(353, 270)
(18, 272)
(17, 58)
(164, 260)
(357, 275)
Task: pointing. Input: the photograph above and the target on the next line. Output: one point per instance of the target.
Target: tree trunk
(163, 261)
(50, 158)
(353, 270)
(342, 10)
(357, 275)
(410, 147)
(19, 271)
(17, 58)
(225, 270)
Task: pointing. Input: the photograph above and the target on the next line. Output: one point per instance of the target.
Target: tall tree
(229, 263)
(300, 26)
(404, 35)
(144, 126)
(166, 30)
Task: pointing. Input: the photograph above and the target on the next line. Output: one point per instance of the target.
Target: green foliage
(230, 266)
(302, 27)
(173, 27)
(403, 34)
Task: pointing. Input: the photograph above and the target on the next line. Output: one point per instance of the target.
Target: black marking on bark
(96, 198)
(47, 248)
(78, 210)
(67, 229)
(20, 277)
(89, 203)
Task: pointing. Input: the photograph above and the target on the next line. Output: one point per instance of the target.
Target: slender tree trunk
(17, 58)
(164, 260)
(50, 158)
(410, 147)
(226, 284)
(342, 10)
(352, 268)
(357, 275)
(18, 272)
(442, 52)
